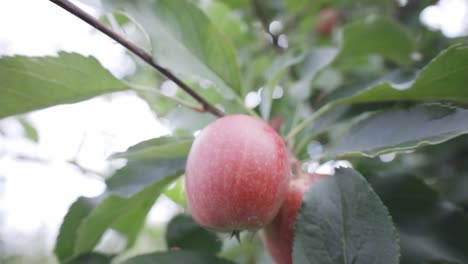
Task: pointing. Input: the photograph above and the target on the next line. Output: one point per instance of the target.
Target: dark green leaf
(91, 258)
(177, 256)
(342, 220)
(31, 83)
(183, 233)
(430, 227)
(185, 41)
(402, 129)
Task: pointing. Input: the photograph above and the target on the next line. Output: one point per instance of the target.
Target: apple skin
(328, 18)
(237, 174)
(278, 236)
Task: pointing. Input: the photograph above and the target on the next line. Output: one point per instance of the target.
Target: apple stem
(138, 51)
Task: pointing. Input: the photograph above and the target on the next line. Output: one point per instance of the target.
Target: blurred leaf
(30, 130)
(402, 129)
(134, 178)
(273, 76)
(342, 220)
(185, 41)
(91, 258)
(113, 208)
(158, 148)
(66, 240)
(430, 227)
(315, 61)
(186, 119)
(228, 21)
(236, 3)
(444, 78)
(176, 256)
(31, 83)
(130, 194)
(183, 233)
(132, 222)
(377, 35)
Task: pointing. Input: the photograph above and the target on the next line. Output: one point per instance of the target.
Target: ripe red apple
(328, 18)
(237, 174)
(278, 236)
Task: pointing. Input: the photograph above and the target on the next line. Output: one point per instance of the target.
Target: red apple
(237, 174)
(328, 18)
(278, 236)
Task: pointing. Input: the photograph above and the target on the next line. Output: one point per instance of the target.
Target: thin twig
(78, 12)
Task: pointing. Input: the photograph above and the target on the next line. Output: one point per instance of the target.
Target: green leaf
(158, 148)
(185, 41)
(30, 130)
(430, 227)
(138, 174)
(314, 62)
(444, 78)
(177, 256)
(187, 119)
(91, 258)
(130, 194)
(183, 233)
(342, 220)
(176, 192)
(377, 35)
(108, 212)
(31, 83)
(402, 129)
(66, 240)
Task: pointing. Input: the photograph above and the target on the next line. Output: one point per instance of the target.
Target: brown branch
(78, 12)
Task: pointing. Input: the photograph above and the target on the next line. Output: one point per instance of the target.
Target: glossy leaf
(31, 83)
(402, 129)
(342, 220)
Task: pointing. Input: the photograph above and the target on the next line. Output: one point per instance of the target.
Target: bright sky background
(36, 196)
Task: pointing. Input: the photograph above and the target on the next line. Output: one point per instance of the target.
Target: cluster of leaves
(379, 83)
